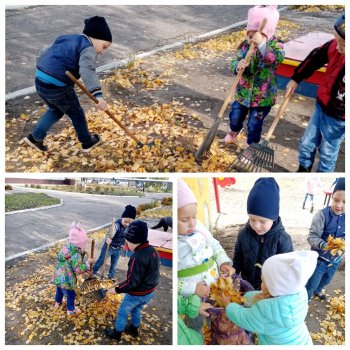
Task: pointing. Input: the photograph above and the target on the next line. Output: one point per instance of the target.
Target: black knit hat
(129, 212)
(340, 185)
(264, 199)
(97, 27)
(339, 26)
(136, 232)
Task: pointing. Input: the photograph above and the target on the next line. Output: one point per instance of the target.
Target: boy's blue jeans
(114, 254)
(70, 295)
(60, 100)
(255, 120)
(322, 275)
(325, 134)
(132, 305)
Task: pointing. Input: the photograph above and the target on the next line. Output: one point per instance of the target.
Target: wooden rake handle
(278, 116)
(94, 99)
(239, 74)
(92, 249)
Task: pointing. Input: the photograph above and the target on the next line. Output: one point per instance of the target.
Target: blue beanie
(264, 198)
(340, 185)
(136, 232)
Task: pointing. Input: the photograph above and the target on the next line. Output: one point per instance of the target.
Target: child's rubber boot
(231, 136)
(113, 334)
(132, 330)
(74, 312)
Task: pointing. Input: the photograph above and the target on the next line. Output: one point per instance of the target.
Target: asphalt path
(29, 230)
(135, 29)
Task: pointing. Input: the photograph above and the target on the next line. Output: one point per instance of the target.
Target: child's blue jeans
(322, 275)
(60, 100)
(132, 305)
(325, 134)
(70, 295)
(255, 120)
(114, 254)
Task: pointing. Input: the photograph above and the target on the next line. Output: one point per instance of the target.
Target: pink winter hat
(184, 194)
(257, 13)
(77, 236)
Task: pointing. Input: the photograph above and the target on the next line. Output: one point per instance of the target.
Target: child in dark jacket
(70, 264)
(164, 223)
(78, 54)
(330, 221)
(326, 129)
(263, 235)
(141, 281)
(116, 243)
(257, 88)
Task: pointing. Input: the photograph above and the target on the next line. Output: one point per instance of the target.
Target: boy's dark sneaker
(302, 169)
(112, 333)
(94, 141)
(321, 296)
(39, 145)
(132, 330)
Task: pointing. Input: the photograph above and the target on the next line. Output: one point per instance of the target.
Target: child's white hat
(288, 273)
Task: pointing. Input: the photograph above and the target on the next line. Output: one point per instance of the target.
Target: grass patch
(20, 201)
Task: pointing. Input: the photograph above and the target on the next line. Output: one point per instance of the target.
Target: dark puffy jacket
(252, 249)
(143, 272)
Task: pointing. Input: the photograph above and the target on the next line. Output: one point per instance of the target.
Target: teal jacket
(276, 321)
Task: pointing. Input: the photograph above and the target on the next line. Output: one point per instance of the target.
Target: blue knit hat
(340, 185)
(264, 199)
(129, 212)
(339, 26)
(136, 232)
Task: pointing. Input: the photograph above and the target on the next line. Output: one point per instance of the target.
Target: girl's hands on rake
(202, 290)
(242, 64)
(226, 270)
(203, 309)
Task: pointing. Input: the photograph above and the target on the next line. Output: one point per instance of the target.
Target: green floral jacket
(257, 86)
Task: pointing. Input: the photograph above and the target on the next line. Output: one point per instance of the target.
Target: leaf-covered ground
(32, 319)
(152, 100)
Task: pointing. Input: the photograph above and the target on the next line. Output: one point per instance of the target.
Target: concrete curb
(35, 209)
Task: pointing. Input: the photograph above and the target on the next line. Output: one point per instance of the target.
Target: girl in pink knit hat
(70, 264)
(201, 258)
(257, 88)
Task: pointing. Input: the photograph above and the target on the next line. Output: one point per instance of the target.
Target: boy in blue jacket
(277, 313)
(78, 54)
(116, 243)
(140, 283)
(330, 221)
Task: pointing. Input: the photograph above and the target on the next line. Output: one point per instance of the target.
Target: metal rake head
(97, 295)
(89, 286)
(254, 158)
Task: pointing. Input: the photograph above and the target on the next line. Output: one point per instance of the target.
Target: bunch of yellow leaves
(335, 245)
(224, 286)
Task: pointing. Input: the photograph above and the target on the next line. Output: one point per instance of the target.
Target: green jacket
(257, 86)
(188, 306)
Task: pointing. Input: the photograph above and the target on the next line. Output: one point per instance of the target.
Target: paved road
(135, 29)
(29, 230)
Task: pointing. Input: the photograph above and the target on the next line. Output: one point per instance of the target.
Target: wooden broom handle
(239, 74)
(92, 249)
(278, 116)
(93, 98)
